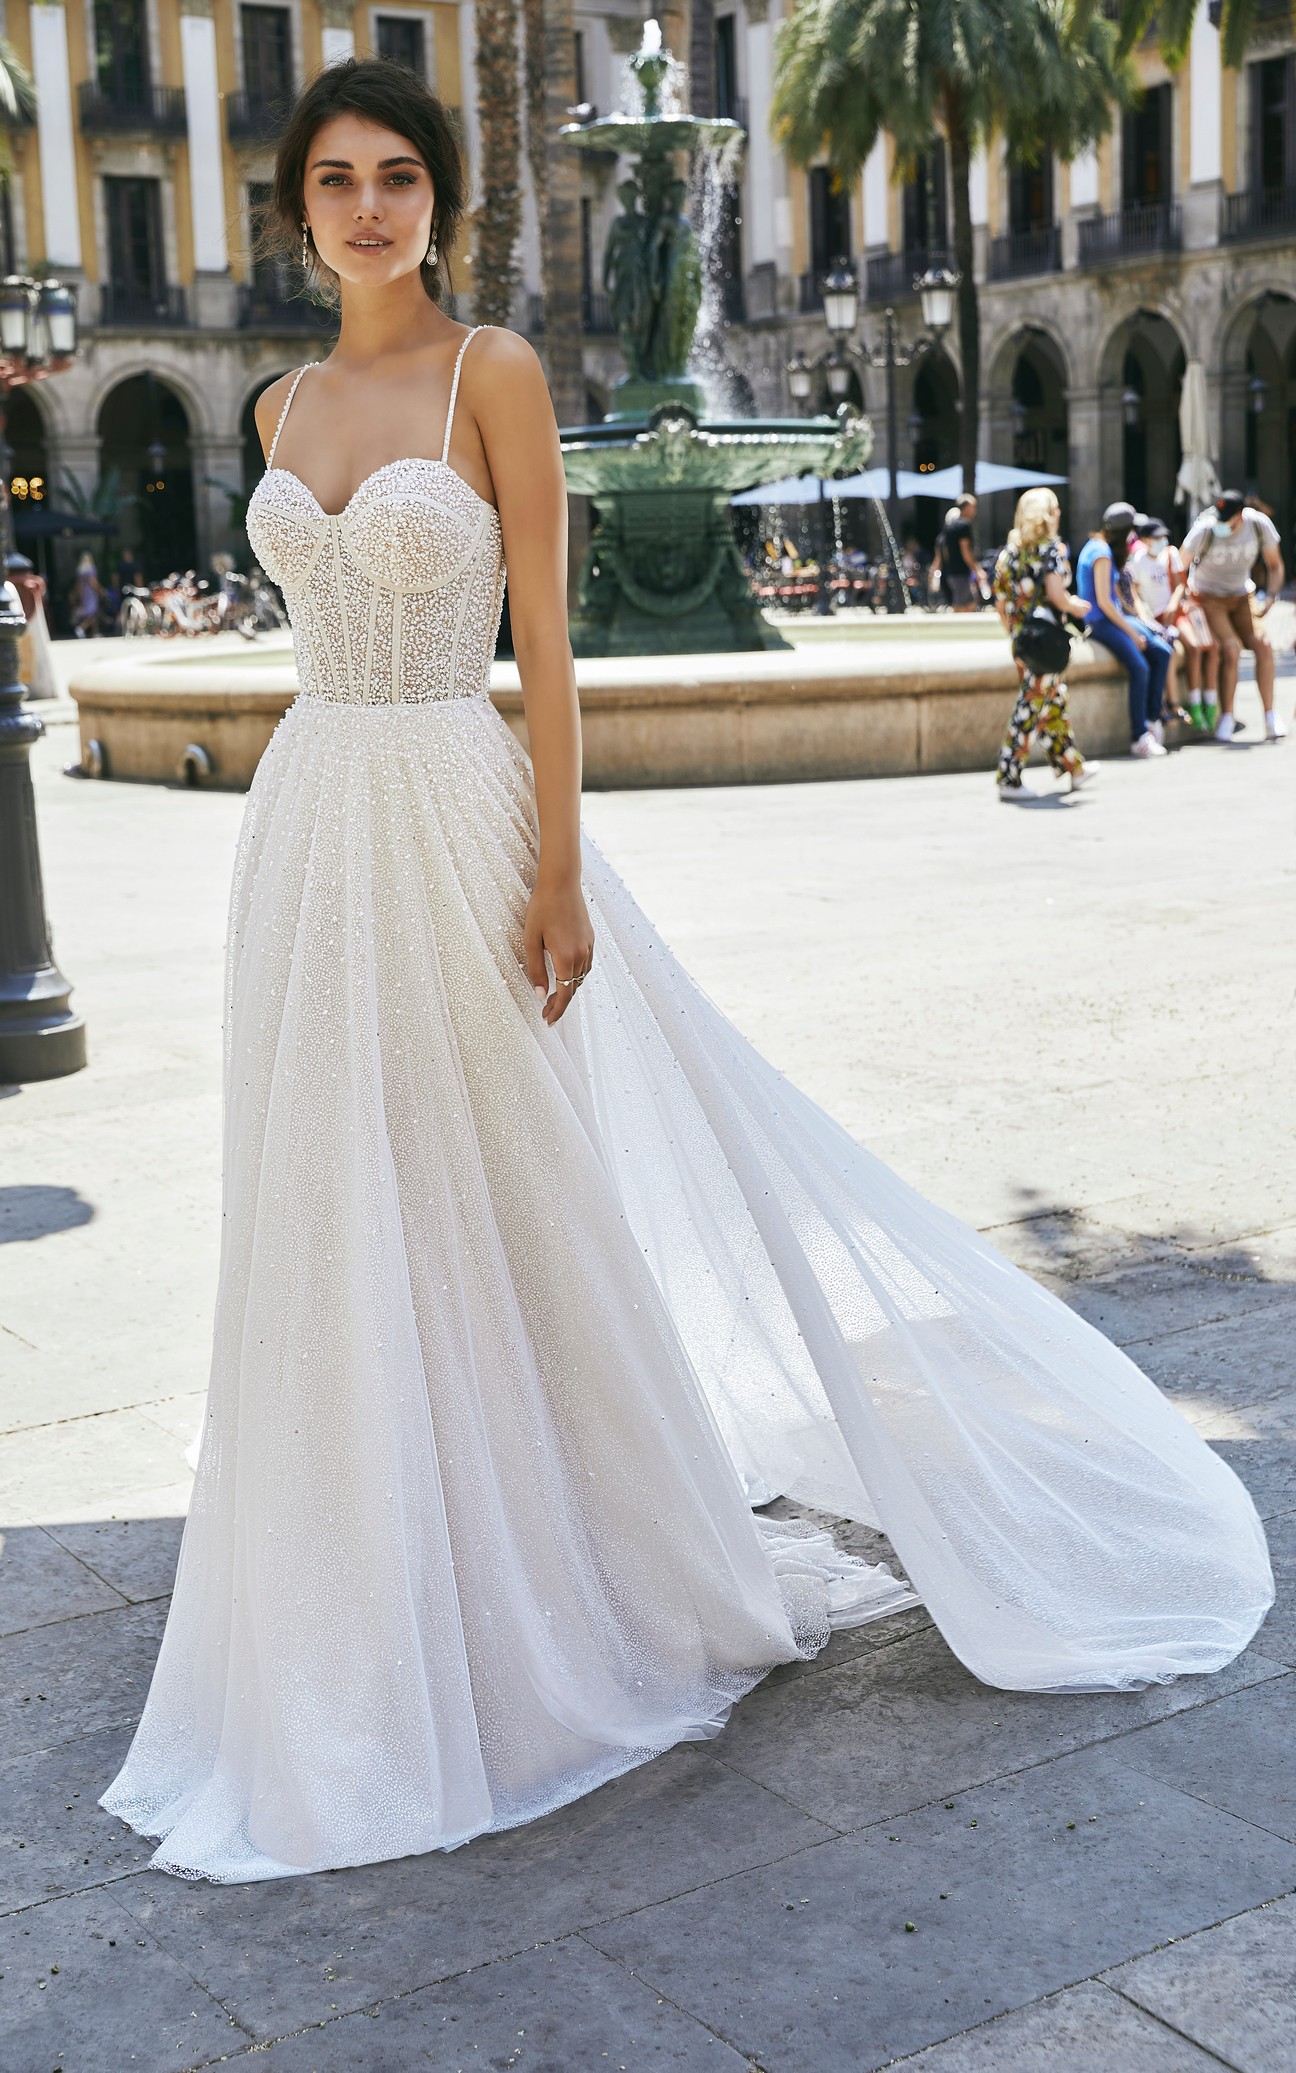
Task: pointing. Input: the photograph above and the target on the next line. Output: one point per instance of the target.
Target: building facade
(1173, 242)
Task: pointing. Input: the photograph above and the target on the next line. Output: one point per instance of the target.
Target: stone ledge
(897, 706)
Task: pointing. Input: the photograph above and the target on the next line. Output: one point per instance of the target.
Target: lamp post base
(40, 1037)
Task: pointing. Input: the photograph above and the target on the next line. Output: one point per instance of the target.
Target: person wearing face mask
(1114, 622)
(1158, 572)
(1221, 550)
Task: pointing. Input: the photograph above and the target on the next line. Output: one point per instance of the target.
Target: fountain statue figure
(663, 573)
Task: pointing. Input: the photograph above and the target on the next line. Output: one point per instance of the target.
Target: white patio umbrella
(1197, 483)
(990, 476)
(804, 489)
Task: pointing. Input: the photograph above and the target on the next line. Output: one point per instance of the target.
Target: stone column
(979, 200)
(759, 213)
(1084, 438)
(216, 460)
(76, 454)
(1202, 202)
(54, 137)
(213, 288)
(338, 20)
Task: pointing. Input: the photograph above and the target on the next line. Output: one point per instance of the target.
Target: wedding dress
(516, 1324)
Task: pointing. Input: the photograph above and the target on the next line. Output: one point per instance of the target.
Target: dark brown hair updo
(392, 98)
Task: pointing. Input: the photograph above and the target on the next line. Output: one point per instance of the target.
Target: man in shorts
(965, 585)
(1221, 549)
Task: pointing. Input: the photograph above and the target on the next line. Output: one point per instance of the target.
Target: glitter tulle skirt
(516, 1324)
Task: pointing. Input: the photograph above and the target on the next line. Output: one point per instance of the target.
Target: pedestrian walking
(1113, 621)
(1032, 595)
(85, 597)
(955, 568)
(1221, 549)
(1160, 576)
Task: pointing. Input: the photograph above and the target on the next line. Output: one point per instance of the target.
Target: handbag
(1042, 643)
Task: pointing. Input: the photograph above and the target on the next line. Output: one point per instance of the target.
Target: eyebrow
(345, 165)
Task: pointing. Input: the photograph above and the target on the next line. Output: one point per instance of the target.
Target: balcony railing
(810, 293)
(271, 309)
(890, 277)
(736, 110)
(1024, 252)
(142, 309)
(1262, 212)
(116, 111)
(255, 118)
(1133, 233)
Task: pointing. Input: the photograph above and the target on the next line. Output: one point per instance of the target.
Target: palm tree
(498, 217)
(550, 72)
(1043, 74)
(1173, 21)
(17, 102)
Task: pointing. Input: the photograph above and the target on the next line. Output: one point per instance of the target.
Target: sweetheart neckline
(419, 460)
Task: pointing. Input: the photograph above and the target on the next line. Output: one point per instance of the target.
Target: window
(1030, 196)
(1145, 150)
(1273, 123)
(578, 66)
(924, 209)
(269, 276)
(121, 50)
(400, 38)
(830, 238)
(267, 55)
(586, 250)
(726, 68)
(135, 256)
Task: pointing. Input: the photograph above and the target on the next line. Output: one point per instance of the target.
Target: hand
(1140, 641)
(557, 920)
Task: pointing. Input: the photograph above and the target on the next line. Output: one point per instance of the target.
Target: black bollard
(40, 1037)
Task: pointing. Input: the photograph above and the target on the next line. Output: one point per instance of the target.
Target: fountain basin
(905, 699)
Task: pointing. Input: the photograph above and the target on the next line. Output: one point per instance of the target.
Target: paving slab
(87, 1991)
(1240, 1360)
(137, 1557)
(905, 1725)
(1176, 1295)
(547, 2011)
(54, 1836)
(808, 1966)
(283, 1953)
(1232, 1988)
(1236, 1754)
(76, 1678)
(1277, 1637)
(42, 1581)
(1087, 2029)
(1267, 1465)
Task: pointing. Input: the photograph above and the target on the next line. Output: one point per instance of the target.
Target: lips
(369, 244)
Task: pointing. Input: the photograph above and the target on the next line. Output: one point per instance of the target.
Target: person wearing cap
(1114, 622)
(1221, 549)
(1159, 575)
(955, 567)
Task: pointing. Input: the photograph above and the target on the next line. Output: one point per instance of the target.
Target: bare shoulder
(269, 404)
(502, 377)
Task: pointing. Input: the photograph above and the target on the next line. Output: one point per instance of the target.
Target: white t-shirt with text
(1224, 569)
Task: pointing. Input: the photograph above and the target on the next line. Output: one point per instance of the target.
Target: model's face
(368, 201)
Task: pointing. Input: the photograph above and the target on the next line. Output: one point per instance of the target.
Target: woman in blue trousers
(1113, 621)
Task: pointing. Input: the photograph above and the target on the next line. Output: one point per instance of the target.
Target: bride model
(536, 1278)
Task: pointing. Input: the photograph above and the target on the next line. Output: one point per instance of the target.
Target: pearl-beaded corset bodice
(395, 599)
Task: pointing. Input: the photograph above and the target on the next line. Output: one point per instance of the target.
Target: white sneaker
(1226, 727)
(1085, 775)
(1147, 745)
(1156, 728)
(1275, 726)
(1013, 795)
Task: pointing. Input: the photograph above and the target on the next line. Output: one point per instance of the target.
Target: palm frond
(17, 87)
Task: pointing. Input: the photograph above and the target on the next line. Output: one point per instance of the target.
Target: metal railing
(810, 293)
(271, 309)
(1024, 252)
(1261, 212)
(596, 315)
(736, 111)
(142, 309)
(115, 111)
(254, 118)
(890, 277)
(1134, 232)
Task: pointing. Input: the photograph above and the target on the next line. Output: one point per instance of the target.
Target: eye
(333, 179)
(403, 179)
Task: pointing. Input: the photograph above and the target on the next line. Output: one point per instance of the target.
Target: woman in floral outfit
(1033, 569)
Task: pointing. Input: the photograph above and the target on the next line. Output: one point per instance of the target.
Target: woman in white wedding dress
(536, 1278)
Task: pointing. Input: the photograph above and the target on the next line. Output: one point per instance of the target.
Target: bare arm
(507, 394)
(1107, 603)
(1060, 597)
(1274, 572)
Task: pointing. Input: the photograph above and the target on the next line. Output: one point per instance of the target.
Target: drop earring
(305, 249)
(431, 258)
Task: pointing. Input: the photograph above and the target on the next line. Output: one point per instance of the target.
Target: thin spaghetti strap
(287, 406)
(454, 391)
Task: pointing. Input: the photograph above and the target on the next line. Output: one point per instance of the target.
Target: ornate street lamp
(841, 300)
(1131, 407)
(40, 1037)
(800, 378)
(1257, 394)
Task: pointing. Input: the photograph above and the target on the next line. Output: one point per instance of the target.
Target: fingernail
(541, 994)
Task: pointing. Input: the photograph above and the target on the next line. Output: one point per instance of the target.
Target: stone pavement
(1069, 1022)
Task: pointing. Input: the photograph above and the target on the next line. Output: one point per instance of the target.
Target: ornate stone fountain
(663, 574)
